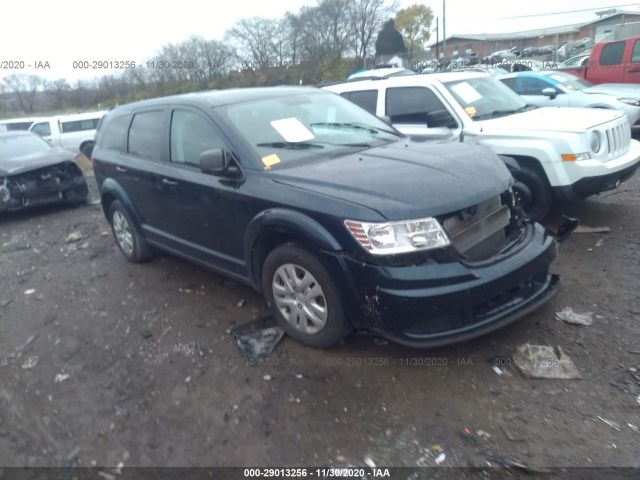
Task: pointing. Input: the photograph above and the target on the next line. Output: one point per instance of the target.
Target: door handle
(121, 169)
(166, 181)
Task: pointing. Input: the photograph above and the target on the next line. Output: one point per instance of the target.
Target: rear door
(632, 70)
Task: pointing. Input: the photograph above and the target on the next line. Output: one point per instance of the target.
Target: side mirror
(214, 161)
(549, 92)
(386, 119)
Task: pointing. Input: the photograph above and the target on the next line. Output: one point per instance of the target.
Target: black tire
(128, 238)
(336, 325)
(541, 197)
(77, 196)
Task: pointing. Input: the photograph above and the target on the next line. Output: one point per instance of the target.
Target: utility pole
(444, 31)
(437, 39)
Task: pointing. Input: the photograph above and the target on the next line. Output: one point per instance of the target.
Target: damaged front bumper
(441, 303)
(54, 184)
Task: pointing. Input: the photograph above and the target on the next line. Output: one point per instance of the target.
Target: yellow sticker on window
(471, 111)
(270, 160)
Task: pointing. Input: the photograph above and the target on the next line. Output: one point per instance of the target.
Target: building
(487, 43)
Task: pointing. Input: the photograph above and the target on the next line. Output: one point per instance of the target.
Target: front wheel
(303, 297)
(532, 193)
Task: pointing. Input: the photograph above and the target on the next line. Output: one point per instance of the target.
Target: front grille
(480, 232)
(618, 140)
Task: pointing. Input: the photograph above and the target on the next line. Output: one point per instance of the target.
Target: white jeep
(563, 153)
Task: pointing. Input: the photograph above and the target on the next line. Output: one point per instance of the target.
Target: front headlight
(630, 101)
(398, 237)
(596, 141)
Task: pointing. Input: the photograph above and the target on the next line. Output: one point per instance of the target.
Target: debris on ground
(510, 462)
(542, 361)
(24, 346)
(258, 338)
(440, 458)
(73, 237)
(497, 370)
(611, 423)
(585, 229)
(30, 291)
(30, 362)
(266, 378)
(61, 377)
(568, 315)
(369, 462)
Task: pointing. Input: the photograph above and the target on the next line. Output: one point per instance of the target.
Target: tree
(58, 90)
(25, 89)
(389, 41)
(367, 16)
(254, 38)
(414, 23)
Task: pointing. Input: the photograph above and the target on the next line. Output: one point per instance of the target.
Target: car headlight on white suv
(630, 101)
(398, 237)
(595, 142)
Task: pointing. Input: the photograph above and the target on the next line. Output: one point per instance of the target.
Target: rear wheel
(303, 297)
(532, 193)
(129, 240)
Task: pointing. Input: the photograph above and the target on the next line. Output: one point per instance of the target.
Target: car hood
(406, 179)
(28, 163)
(552, 119)
(616, 89)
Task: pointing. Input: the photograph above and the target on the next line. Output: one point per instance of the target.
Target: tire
(128, 238)
(540, 197)
(292, 306)
(77, 196)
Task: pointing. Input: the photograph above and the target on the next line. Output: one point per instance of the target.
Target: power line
(583, 10)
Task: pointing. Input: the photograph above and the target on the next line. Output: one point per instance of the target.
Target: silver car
(551, 88)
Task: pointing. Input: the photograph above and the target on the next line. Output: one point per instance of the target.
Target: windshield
(13, 147)
(298, 127)
(485, 97)
(568, 82)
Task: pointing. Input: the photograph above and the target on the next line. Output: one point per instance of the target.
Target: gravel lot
(134, 364)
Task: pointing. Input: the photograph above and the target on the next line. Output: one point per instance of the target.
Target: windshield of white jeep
(486, 97)
(296, 127)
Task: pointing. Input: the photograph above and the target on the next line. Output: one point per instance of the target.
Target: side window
(115, 134)
(145, 135)
(530, 86)
(509, 82)
(635, 55)
(80, 125)
(190, 136)
(43, 129)
(417, 105)
(367, 99)
(612, 54)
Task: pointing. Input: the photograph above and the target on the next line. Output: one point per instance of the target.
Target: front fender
(285, 221)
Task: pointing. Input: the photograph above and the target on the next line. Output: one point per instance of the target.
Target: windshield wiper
(497, 113)
(291, 145)
(358, 126)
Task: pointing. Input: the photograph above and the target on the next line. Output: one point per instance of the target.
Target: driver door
(530, 88)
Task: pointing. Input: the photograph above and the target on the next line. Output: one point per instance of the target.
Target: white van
(73, 132)
(13, 124)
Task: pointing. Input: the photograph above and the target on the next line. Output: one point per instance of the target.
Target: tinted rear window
(115, 134)
(145, 134)
(79, 125)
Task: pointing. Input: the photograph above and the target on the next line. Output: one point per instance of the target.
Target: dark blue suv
(337, 218)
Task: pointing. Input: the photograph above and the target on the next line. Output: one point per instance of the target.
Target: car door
(419, 112)
(632, 69)
(43, 129)
(198, 211)
(530, 88)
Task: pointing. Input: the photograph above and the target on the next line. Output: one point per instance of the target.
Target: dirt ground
(108, 363)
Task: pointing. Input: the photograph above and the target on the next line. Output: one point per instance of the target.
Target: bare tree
(254, 38)
(25, 89)
(367, 17)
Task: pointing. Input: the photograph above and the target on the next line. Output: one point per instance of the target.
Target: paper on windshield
(558, 78)
(292, 130)
(466, 92)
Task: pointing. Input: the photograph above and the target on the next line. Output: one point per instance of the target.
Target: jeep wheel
(129, 240)
(534, 194)
(303, 297)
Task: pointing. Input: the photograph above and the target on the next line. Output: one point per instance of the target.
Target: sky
(57, 33)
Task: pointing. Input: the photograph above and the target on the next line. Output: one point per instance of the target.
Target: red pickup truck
(615, 61)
